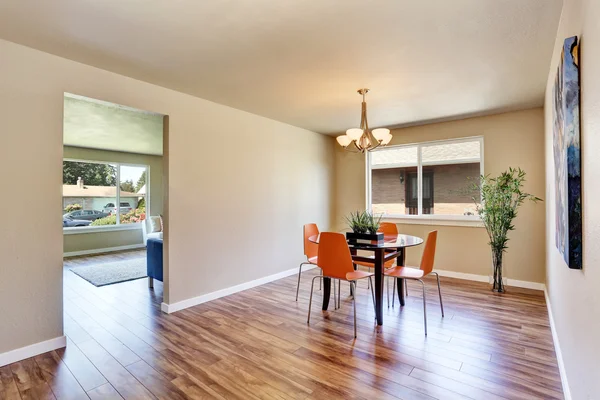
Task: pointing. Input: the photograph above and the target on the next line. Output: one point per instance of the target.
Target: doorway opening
(113, 209)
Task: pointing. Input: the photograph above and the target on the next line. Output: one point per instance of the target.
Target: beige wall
(95, 241)
(574, 294)
(511, 139)
(239, 188)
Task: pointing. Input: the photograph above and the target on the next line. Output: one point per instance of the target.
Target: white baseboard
(486, 278)
(525, 284)
(180, 305)
(105, 250)
(559, 358)
(32, 350)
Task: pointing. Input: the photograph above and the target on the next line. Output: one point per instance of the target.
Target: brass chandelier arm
(364, 125)
(355, 145)
(377, 142)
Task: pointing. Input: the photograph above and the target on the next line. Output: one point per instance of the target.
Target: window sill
(100, 229)
(440, 220)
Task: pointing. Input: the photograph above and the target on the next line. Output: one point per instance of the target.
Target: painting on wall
(567, 155)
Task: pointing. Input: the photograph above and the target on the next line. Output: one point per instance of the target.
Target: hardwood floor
(256, 345)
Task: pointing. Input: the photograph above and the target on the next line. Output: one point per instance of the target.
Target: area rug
(112, 272)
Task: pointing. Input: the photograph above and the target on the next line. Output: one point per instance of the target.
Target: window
(426, 179)
(132, 193)
(90, 192)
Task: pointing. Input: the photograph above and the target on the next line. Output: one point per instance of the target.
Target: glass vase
(498, 286)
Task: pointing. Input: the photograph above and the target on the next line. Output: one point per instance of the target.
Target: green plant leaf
(501, 198)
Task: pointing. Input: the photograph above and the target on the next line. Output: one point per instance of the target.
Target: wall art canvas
(567, 155)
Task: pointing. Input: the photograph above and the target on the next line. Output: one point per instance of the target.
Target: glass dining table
(393, 246)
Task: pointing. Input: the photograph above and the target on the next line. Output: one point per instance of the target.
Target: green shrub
(73, 207)
(132, 217)
(110, 220)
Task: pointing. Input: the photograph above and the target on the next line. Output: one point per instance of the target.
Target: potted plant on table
(364, 227)
(501, 198)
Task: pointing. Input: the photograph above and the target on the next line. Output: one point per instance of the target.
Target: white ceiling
(301, 62)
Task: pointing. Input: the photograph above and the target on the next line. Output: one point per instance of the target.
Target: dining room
(406, 270)
(354, 201)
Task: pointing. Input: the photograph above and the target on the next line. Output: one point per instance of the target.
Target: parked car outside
(110, 208)
(87, 215)
(70, 222)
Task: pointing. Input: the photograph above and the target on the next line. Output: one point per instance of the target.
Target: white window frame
(118, 226)
(420, 218)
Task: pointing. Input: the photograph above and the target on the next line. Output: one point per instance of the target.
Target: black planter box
(365, 238)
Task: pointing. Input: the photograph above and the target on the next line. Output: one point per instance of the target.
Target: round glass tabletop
(389, 242)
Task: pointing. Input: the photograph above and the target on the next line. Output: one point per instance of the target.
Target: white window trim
(118, 226)
(97, 229)
(430, 219)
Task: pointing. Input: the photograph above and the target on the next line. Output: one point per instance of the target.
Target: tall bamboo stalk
(500, 200)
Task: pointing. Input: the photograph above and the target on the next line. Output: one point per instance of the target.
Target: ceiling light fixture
(363, 138)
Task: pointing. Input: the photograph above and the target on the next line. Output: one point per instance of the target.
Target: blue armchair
(154, 259)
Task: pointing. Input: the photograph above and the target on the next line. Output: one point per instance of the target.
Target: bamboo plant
(501, 198)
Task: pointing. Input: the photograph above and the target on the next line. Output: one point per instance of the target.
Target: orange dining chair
(425, 269)
(335, 261)
(310, 250)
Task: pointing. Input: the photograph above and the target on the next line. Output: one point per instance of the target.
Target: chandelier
(363, 138)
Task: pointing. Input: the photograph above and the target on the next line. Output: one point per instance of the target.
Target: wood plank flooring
(256, 345)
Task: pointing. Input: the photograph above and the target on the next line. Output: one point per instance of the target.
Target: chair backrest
(334, 255)
(429, 253)
(388, 228)
(310, 249)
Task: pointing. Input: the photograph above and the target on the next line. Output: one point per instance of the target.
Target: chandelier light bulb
(354, 133)
(381, 133)
(386, 139)
(343, 140)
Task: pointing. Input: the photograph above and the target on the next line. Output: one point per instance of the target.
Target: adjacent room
(112, 155)
(299, 200)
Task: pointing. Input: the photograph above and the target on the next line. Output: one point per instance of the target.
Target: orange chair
(425, 269)
(335, 260)
(310, 250)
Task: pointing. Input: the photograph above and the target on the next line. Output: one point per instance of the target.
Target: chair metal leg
(394, 293)
(312, 285)
(424, 306)
(321, 281)
(353, 285)
(335, 303)
(440, 292)
(150, 282)
(373, 296)
(339, 291)
(387, 279)
(406, 287)
(299, 273)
